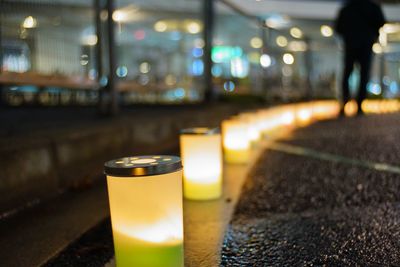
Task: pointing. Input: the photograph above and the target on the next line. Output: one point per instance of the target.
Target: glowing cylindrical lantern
(236, 141)
(370, 106)
(201, 154)
(253, 129)
(268, 120)
(304, 114)
(350, 108)
(286, 115)
(145, 197)
(325, 109)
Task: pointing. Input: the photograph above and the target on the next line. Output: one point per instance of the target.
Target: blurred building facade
(56, 53)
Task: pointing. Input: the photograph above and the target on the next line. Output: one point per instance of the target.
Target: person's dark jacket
(359, 22)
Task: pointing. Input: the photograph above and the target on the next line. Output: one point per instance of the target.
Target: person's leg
(349, 58)
(365, 69)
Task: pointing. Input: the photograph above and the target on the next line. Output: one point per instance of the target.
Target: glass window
(236, 54)
(160, 49)
(47, 50)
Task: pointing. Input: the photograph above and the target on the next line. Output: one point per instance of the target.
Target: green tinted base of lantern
(136, 254)
(237, 156)
(197, 191)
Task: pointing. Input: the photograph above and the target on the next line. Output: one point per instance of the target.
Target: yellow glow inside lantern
(236, 141)
(250, 119)
(269, 120)
(386, 106)
(370, 106)
(262, 121)
(145, 197)
(325, 109)
(288, 118)
(286, 115)
(304, 114)
(392, 105)
(350, 108)
(380, 106)
(201, 154)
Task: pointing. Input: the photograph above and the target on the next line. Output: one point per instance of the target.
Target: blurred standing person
(358, 24)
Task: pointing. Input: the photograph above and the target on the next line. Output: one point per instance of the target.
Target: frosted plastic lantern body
(145, 197)
(304, 114)
(282, 117)
(253, 128)
(270, 121)
(287, 116)
(264, 123)
(325, 109)
(236, 141)
(350, 108)
(201, 154)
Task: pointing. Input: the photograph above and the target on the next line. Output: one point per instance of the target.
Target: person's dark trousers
(362, 56)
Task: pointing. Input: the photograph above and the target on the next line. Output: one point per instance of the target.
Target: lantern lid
(142, 166)
(200, 131)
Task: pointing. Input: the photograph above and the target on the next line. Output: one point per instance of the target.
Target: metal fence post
(208, 21)
(102, 105)
(111, 86)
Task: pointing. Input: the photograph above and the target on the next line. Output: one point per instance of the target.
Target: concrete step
(35, 235)
(42, 154)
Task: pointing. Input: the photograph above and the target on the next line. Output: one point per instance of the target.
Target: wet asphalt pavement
(302, 211)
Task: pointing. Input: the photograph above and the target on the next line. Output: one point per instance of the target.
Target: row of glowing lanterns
(146, 192)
